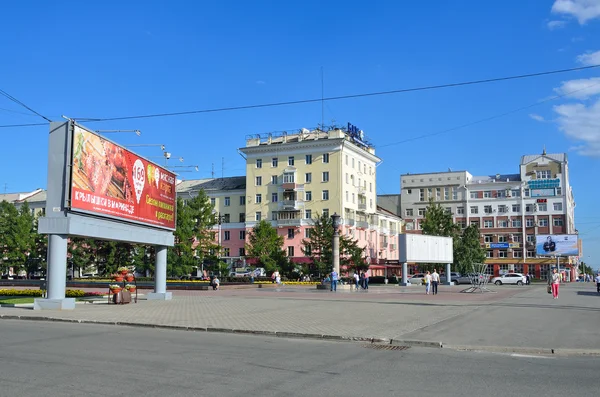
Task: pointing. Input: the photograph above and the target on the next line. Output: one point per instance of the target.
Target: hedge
(70, 293)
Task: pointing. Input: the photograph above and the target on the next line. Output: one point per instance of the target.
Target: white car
(416, 279)
(510, 278)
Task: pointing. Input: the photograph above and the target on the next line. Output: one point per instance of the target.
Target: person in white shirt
(435, 280)
(597, 279)
(427, 283)
(356, 278)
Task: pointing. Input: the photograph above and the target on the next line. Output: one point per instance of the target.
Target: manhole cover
(385, 347)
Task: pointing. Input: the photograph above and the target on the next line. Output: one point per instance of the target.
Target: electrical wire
(22, 125)
(334, 98)
(15, 100)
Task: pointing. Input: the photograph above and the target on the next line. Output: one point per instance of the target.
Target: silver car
(510, 278)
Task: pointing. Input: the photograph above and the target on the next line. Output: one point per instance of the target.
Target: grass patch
(15, 301)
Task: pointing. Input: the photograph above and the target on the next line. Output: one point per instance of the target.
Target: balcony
(362, 206)
(383, 245)
(349, 222)
(292, 186)
(290, 205)
(362, 224)
(289, 222)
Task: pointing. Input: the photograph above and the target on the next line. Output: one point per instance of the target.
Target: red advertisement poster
(110, 180)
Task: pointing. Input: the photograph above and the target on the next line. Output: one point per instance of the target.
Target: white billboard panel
(419, 248)
(556, 245)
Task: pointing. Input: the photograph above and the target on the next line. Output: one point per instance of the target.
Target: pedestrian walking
(334, 280)
(435, 280)
(555, 284)
(367, 280)
(362, 280)
(356, 279)
(597, 279)
(528, 279)
(427, 283)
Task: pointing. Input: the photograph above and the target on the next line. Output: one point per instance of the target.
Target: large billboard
(556, 245)
(419, 248)
(108, 180)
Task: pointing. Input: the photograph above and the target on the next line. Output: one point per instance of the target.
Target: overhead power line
(335, 98)
(15, 100)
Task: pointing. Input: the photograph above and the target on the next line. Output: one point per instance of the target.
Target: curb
(527, 350)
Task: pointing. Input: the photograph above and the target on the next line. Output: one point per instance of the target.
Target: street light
(136, 132)
(162, 147)
(195, 167)
(335, 247)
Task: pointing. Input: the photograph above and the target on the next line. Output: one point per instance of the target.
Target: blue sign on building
(498, 245)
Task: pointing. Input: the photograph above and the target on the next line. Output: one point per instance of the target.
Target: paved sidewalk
(517, 317)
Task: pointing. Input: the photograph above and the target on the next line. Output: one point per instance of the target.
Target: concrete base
(405, 284)
(447, 283)
(345, 287)
(159, 296)
(54, 304)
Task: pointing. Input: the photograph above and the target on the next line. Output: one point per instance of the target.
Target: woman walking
(555, 284)
(427, 283)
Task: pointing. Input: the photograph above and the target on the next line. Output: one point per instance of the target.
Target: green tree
(438, 221)
(266, 246)
(18, 234)
(318, 246)
(468, 250)
(82, 255)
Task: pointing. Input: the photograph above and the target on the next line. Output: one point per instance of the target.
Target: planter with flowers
(124, 287)
(123, 270)
(115, 288)
(118, 277)
(129, 277)
(131, 287)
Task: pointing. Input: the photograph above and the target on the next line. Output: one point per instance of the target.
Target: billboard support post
(448, 275)
(160, 276)
(405, 282)
(57, 283)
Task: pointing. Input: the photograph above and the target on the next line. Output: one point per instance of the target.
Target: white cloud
(537, 117)
(261, 82)
(556, 24)
(579, 89)
(589, 58)
(581, 123)
(583, 10)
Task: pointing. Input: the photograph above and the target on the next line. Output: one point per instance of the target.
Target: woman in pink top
(555, 284)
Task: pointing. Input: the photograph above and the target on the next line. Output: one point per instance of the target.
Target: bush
(70, 293)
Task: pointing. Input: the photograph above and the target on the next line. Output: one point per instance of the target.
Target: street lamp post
(219, 218)
(335, 246)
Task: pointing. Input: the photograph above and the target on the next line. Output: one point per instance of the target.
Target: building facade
(510, 210)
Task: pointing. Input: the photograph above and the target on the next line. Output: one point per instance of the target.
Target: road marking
(528, 356)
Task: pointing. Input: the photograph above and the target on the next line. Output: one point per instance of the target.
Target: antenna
(222, 166)
(5, 187)
(322, 101)
(212, 174)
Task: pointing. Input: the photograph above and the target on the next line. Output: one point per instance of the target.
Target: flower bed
(70, 293)
(290, 282)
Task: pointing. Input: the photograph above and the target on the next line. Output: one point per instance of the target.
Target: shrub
(70, 293)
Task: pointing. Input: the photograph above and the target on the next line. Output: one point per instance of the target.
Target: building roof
(22, 196)
(495, 178)
(560, 157)
(213, 184)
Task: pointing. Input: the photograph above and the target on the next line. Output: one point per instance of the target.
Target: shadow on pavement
(588, 293)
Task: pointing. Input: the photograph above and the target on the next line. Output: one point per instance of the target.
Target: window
(307, 233)
(542, 207)
(526, 192)
(488, 224)
(462, 224)
(347, 196)
(543, 174)
(226, 252)
(460, 210)
(531, 238)
(557, 206)
(289, 177)
(291, 160)
(273, 179)
(308, 196)
(516, 238)
(352, 163)
(515, 193)
(501, 193)
(325, 195)
(242, 200)
(212, 201)
(528, 222)
(227, 235)
(258, 216)
(326, 212)
(473, 195)
(308, 214)
(502, 238)
(353, 199)
(258, 163)
(446, 193)
(242, 217)
(409, 212)
(290, 233)
(502, 223)
(531, 254)
(274, 162)
(258, 198)
(489, 254)
(370, 203)
(242, 234)
(346, 159)
(474, 210)
(421, 194)
(274, 216)
(557, 221)
(259, 181)
(474, 223)
(438, 193)
(326, 157)
(517, 254)
(325, 177)
(309, 159)
(308, 177)
(448, 210)
(502, 209)
(528, 207)
(544, 270)
(488, 238)
(274, 197)
(454, 193)
(430, 193)
(487, 194)
(502, 254)
(516, 208)
(421, 211)
(487, 209)
(371, 188)
(543, 222)
(558, 191)
(347, 178)
(516, 223)
(227, 201)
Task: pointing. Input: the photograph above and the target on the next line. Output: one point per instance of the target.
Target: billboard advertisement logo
(138, 178)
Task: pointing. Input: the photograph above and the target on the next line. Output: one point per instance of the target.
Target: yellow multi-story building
(293, 178)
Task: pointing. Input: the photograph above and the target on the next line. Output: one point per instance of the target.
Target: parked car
(417, 279)
(510, 278)
(456, 278)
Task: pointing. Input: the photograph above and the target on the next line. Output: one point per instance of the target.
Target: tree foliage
(266, 245)
(17, 235)
(438, 221)
(468, 250)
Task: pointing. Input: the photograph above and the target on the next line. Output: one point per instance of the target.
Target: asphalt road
(56, 359)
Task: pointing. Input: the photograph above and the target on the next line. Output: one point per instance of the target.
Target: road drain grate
(385, 347)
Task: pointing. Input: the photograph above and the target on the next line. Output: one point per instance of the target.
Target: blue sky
(120, 58)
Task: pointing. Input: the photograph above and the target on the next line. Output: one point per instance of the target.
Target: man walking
(435, 280)
(597, 279)
(334, 280)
